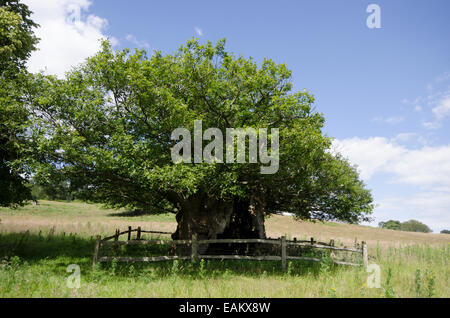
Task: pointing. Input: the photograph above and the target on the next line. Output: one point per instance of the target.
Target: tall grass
(34, 265)
(37, 243)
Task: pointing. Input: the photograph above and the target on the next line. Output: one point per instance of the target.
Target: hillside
(91, 219)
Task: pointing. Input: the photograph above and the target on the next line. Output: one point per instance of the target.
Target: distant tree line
(445, 232)
(410, 226)
(52, 191)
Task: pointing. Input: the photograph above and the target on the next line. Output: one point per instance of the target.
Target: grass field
(59, 234)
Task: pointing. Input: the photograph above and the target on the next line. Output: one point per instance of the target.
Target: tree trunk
(210, 218)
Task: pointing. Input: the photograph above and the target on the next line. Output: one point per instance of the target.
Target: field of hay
(59, 234)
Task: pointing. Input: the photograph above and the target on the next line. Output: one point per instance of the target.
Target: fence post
(96, 249)
(116, 239)
(332, 255)
(283, 252)
(129, 233)
(312, 240)
(138, 233)
(194, 248)
(364, 254)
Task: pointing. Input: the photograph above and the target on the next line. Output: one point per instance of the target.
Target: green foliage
(17, 40)
(410, 226)
(107, 128)
(445, 232)
(418, 283)
(55, 190)
(326, 264)
(113, 269)
(131, 271)
(430, 284)
(175, 268)
(388, 288)
(390, 225)
(202, 269)
(290, 268)
(332, 293)
(415, 226)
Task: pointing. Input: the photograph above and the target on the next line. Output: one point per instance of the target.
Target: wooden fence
(195, 255)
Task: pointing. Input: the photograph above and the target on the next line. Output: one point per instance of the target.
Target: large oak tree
(107, 128)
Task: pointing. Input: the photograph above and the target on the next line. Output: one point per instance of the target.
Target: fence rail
(194, 244)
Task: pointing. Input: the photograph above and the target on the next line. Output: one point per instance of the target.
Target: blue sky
(385, 92)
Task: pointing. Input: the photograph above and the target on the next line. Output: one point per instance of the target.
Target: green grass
(35, 265)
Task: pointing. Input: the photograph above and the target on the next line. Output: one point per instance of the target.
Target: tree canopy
(107, 128)
(410, 226)
(17, 40)
(390, 225)
(415, 226)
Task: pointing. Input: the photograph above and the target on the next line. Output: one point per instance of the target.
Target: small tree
(391, 225)
(415, 226)
(411, 226)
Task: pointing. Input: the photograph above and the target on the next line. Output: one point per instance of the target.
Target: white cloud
(389, 120)
(198, 31)
(442, 78)
(68, 34)
(438, 100)
(429, 207)
(141, 44)
(409, 138)
(416, 103)
(442, 110)
(431, 125)
(371, 155)
(426, 169)
(403, 137)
